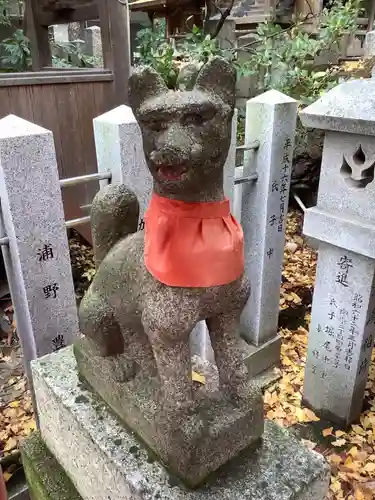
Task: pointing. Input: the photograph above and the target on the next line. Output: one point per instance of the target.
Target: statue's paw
(176, 405)
(193, 426)
(121, 369)
(242, 393)
(238, 387)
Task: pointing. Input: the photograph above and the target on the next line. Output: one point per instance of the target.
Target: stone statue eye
(192, 119)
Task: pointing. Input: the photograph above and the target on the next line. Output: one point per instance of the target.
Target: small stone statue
(152, 287)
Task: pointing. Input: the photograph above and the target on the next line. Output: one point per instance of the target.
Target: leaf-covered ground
(351, 454)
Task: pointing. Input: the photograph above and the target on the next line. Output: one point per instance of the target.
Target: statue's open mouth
(171, 172)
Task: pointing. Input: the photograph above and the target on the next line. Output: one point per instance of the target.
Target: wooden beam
(51, 77)
(105, 35)
(115, 26)
(83, 13)
(371, 15)
(38, 36)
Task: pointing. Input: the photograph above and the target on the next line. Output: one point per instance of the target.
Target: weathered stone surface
(139, 326)
(93, 46)
(106, 462)
(106, 230)
(46, 478)
(369, 45)
(334, 228)
(119, 149)
(191, 450)
(346, 108)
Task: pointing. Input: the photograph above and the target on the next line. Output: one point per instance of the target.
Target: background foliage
(281, 58)
(285, 59)
(15, 53)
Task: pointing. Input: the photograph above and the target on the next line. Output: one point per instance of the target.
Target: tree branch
(309, 15)
(223, 16)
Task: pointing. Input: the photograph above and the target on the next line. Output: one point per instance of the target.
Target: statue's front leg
(233, 374)
(168, 331)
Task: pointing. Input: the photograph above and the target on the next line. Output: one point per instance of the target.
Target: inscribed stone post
(369, 44)
(343, 313)
(93, 47)
(60, 32)
(119, 148)
(270, 119)
(37, 261)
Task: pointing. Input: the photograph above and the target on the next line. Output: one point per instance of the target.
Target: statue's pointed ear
(144, 83)
(218, 76)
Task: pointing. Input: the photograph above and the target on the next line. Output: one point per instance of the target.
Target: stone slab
(106, 462)
(341, 334)
(93, 45)
(343, 231)
(46, 478)
(258, 359)
(189, 452)
(349, 107)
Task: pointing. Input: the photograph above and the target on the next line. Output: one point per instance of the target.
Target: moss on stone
(46, 478)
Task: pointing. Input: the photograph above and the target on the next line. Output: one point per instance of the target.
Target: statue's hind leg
(97, 323)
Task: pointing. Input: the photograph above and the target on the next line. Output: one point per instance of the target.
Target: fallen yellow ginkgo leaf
(196, 377)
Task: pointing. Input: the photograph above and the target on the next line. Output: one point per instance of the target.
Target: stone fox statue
(151, 288)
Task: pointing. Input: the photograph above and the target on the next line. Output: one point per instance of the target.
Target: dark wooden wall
(64, 102)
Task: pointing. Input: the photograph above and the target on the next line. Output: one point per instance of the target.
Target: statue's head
(186, 134)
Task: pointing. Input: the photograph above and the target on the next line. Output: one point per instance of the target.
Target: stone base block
(106, 462)
(46, 478)
(192, 446)
(258, 359)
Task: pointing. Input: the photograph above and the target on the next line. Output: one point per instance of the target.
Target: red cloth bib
(192, 244)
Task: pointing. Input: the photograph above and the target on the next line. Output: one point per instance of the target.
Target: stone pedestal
(342, 326)
(104, 461)
(47, 479)
(192, 445)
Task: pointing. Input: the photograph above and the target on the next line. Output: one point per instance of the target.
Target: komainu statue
(153, 286)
